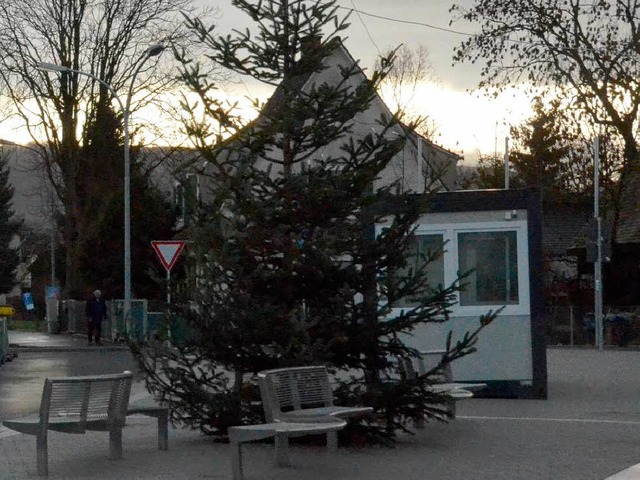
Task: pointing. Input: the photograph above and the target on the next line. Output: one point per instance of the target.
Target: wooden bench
(298, 394)
(75, 405)
(280, 431)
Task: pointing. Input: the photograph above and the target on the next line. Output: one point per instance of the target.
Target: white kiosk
(496, 234)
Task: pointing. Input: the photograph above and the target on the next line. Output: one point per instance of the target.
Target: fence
(138, 327)
(143, 323)
(575, 325)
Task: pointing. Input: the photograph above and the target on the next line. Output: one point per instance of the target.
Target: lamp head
(51, 67)
(155, 49)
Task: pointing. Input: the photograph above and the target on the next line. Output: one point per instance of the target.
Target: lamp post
(152, 51)
(597, 265)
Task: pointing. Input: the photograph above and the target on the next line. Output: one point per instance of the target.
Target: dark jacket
(96, 309)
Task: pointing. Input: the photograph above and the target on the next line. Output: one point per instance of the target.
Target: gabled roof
(432, 154)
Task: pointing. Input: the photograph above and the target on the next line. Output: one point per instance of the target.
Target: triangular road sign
(168, 251)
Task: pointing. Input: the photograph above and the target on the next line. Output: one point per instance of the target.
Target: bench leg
(236, 460)
(115, 443)
(332, 441)
(42, 453)
(282, 450)
(451, 406)
(163, 430)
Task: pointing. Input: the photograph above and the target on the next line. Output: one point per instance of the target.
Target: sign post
(168, 252)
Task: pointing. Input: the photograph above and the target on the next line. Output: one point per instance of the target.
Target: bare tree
(104, 38)
(588, 49)
(410, 69)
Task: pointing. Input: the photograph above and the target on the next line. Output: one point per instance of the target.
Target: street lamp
(152, 51)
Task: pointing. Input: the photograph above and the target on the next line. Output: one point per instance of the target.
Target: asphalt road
(21, 380)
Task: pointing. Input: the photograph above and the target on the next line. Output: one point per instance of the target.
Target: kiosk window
(422, 248)
(492, 258)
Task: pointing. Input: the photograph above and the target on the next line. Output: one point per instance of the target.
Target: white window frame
(449, 232)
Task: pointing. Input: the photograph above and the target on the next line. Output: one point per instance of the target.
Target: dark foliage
(9, 227)
(101, 263)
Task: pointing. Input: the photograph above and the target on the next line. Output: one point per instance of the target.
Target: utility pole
(506, 163)
(597, 266)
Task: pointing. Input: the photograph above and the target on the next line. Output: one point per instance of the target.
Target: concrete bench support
(150, 408)
(280, 431)
(294, 395)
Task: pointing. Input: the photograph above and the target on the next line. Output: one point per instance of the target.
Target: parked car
(616, 326)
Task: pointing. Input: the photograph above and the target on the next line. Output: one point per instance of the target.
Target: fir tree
(152, 216)
(9, 227)
(288, 269)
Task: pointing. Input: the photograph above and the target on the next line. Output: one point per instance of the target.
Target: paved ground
(589, 428)
(28, 341)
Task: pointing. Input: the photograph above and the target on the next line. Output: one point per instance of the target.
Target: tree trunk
(370, 312)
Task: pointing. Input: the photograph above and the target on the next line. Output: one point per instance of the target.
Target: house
(421, 167)
(568, 245)
(622, 284)
(31, 205)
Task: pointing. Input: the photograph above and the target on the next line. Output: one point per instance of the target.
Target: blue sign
(52, 292)
(27, 299)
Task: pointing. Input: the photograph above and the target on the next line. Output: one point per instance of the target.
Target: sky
(467, 121)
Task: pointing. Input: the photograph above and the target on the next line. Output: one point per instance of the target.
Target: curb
(16, 348)
(77, 343)
(611, 348)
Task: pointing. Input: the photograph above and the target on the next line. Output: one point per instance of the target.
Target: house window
(178, 197)
(422, 249)
(492, 258)
(186, 197)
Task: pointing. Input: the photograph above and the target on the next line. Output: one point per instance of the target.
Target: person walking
(95, 312)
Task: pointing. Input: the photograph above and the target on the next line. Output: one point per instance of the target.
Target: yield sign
(168, 251)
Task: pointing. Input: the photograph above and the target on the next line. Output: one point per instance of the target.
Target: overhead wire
(364, 25)
(407, 22)
(360, 12)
